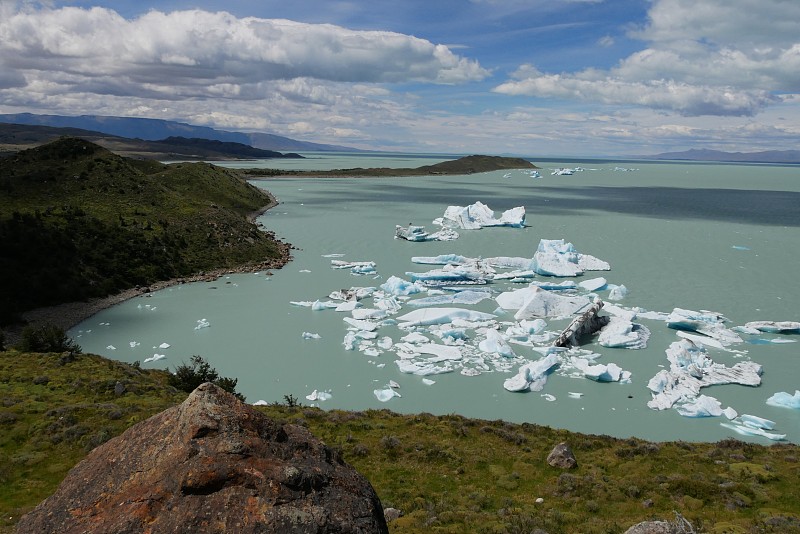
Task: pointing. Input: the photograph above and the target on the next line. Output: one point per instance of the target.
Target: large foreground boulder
(211, 464)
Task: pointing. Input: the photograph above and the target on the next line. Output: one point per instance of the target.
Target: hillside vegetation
(447, 474)
(77, 221)
(466, 165)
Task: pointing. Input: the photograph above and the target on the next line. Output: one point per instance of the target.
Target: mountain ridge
(157, 129)
(704, 154)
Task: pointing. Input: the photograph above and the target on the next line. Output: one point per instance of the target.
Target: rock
(561, 456)
(119, 388)
(390, 514)
(211, 464)
(650, 527)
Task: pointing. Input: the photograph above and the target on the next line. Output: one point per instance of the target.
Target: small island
(467, 165)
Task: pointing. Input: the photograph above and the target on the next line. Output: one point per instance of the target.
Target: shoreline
(69, 314)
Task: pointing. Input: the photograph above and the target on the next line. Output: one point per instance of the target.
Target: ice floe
(479, 215)
(771, 327)
(429, 316)
(418, 233)
(532, 376)
(320, 396)
(154, 358)
(202, 323)
(785, 400)
(691, 369)
(311, 335)
(751, 425)
(386, 394)
(621, 333)
(711, 324)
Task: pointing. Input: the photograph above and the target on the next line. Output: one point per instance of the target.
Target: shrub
(47, 338)
(188, 377)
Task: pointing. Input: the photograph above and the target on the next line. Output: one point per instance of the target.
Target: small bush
(189, 377)
(47, 338)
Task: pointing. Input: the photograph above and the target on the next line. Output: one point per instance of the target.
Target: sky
(527, 77)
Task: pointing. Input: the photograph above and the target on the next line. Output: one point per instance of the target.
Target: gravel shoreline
(69, 314)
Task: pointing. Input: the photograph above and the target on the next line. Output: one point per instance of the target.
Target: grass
(445, 473)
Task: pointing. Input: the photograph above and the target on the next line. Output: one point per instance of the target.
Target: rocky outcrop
(561, 456)
(211, 464)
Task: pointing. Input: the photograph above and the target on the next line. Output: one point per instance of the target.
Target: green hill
(77, 221)
(447, 474)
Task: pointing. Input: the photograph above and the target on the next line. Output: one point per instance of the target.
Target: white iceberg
(617, 292)
(784, 399)
(540, 303)
(555, 257)
(620, 333)
(702, 406)
(774, 327)
(154, 358)
(601, 372)
(594, 284)
(751, 425)
(164, 346)
(442, 259)
(311, 335)
(430, 316)
(418, 233)
(479, 215)
(202, 323)
(692, 369)
(319, 396)
(460, 297)
(708, 323)
(532, 376)
(398, 286)
(495, 344)
(386, 394)
(440, 353)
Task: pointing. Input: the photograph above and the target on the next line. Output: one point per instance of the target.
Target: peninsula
(467, 165)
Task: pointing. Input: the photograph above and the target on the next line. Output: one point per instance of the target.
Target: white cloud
(202, 54)
(707, 57)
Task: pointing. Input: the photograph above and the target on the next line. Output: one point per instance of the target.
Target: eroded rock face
(211, 464)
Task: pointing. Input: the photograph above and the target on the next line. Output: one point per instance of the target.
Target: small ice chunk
(440, 353)
(261, 402)
(363, 324)
(386, 394)
(542, 303)
(430, 316)
(786, 400)
(202, 323)
(320, 396)
(495, 344)
(154, 358)
(574, 394)
(700, 340)
(442, 259)
(164, 346)
(601, 372)
(619, 333)
(393, 384)
(134, 344)
(775, 327)
(532, 376)
(414, 338)
(385, 343)
(111, 347)
(398, 286)
(428, 381)
(548, 397)
(594, 284)
(348, 306)
(702, 406)
(618, 292)
(311, 335)
(707, 323)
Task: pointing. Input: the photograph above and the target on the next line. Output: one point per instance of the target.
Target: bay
(697, 236)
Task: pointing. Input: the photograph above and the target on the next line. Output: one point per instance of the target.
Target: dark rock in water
(561, 456)
(211, 464)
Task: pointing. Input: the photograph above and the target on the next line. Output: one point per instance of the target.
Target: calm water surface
(713, 237)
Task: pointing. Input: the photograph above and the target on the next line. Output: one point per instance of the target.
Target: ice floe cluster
(425, 321)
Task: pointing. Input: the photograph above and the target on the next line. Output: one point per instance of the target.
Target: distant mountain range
(767, 156)
(157, 129)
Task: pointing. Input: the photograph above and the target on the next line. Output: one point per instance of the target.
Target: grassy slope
(447, 474)
(78, 221)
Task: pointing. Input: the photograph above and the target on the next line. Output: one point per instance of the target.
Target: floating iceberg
(442, 259)
(785, 400)
(540, 303)
(462, 297)
(479, 215)
(311, 335)
(555, 257)
(692, 369)
(594, 284)
(620, 333)
(319, 396)
(705, 322)
(453, 274)
(532, 376)
(601, 372)
(618, 292)
(154, 358)
(418, 233)
(751, 425)
(398, 286)
(202, 323)
(495, 344)
(772, 327)
(429, 316)
(386, 394)
(702, 406)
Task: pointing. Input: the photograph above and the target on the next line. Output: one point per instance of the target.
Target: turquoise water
(698, 236)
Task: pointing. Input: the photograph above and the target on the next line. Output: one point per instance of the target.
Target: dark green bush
(47, 338)
(188, 377)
